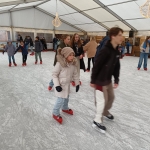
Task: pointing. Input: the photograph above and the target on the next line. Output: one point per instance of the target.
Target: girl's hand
(115, 86)
(93, 85)
(81, 56)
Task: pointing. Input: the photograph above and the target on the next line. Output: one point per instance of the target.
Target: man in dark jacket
(101, 46)
(106, 66)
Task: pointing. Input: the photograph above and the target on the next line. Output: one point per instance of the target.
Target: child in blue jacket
(24, 48)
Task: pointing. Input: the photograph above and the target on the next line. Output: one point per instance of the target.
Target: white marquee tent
(91, 16)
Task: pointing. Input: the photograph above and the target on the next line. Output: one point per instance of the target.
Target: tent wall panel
(5, 19)
(46, 23)
(35, 31)
(23, 18)
(43, 21)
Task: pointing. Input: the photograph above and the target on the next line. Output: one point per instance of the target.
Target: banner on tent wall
(3, 36)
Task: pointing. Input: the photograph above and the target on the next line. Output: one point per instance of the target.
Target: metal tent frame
(101, 5)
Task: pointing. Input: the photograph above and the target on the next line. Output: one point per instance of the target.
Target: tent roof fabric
(88, 15)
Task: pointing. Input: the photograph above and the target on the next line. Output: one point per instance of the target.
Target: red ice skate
(70, 111)
(9, 65)
(35, 62)
(145, 69)
(15, 64)
(41, 62)
(58, 119)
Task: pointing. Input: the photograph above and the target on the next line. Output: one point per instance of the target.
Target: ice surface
(26, 106)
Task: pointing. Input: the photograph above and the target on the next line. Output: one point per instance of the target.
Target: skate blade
(98, 129)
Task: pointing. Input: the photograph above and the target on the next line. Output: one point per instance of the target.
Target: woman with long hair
(145, 50)
(90, 47)
(64, 43)
(76, 45)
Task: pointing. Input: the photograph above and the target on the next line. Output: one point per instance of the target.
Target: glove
(58, 88)
(77, 88)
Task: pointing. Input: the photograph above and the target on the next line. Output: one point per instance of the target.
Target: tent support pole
(11, 26)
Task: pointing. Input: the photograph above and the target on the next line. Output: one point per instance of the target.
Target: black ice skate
(110, 117)
(99, 127)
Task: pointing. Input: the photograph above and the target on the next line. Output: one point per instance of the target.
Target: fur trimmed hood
(62, 60)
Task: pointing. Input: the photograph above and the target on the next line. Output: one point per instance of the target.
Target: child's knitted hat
(65, 52)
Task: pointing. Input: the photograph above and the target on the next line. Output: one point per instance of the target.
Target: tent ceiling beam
(15, 9)
(5, 11)
(42, 3)
(12, 3)
(83, 13)
(114, 14)
(134, 18)
(61, 19)
(16, 2)
(122, 2)
(21, 8)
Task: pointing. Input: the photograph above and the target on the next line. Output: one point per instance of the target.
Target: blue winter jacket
(128, 44)
(102, 44)
(24, 49)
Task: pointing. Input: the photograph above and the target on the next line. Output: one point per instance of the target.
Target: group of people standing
(69, 61)
(29, 40)
(76, 44)
(24, 46)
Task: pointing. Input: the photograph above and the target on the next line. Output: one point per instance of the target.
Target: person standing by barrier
(90, 47)
(145, 50)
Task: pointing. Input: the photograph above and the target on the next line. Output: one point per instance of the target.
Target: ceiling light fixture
(56, 22)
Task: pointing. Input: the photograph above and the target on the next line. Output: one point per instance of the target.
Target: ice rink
(26, 105)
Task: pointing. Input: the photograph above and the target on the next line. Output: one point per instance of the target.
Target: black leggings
(127, 50)
(24, 58)
(89, 62)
